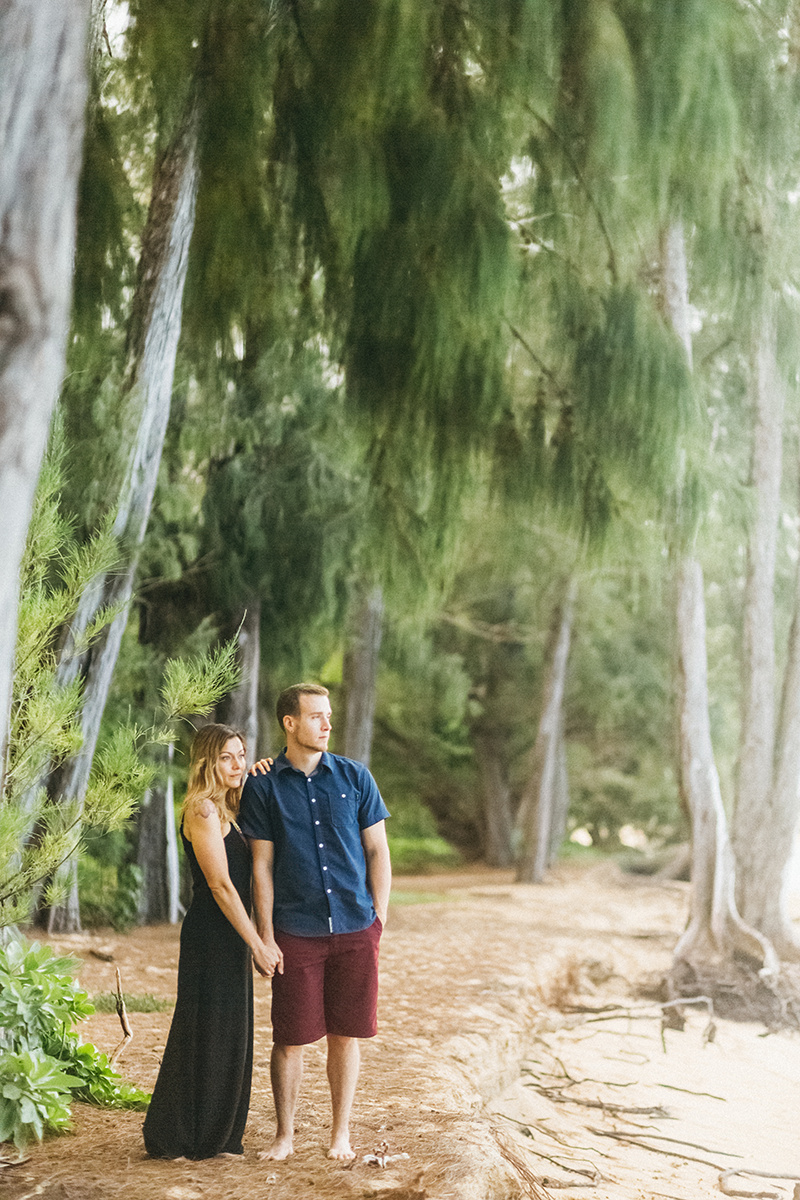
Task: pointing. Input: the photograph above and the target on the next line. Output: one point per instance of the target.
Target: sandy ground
(480, 1085)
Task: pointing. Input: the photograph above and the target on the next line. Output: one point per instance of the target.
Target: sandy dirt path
(477, 1081)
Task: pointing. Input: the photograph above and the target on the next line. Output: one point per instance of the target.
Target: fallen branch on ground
(122, 1013)
(726, 1175)
(557, 1095)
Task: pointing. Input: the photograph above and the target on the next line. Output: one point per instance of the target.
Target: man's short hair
(289, 700)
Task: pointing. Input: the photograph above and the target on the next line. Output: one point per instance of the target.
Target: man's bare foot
(341, 1149)
(280, 1149)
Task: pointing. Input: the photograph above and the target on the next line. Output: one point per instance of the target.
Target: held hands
(268, 958)
(261, 767)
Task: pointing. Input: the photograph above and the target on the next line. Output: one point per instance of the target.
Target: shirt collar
(282, 763)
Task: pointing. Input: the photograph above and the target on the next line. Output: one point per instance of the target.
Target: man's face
(312, 728)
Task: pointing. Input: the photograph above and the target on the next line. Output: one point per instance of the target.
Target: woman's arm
(202, 826)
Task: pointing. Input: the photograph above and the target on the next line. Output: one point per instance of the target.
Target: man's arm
(264, 896)
(379, 867)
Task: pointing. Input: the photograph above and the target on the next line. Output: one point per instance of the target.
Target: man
(321, 881)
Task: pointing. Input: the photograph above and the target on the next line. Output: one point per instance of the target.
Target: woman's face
(231, 764)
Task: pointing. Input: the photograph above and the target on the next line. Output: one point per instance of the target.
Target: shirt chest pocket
(343, 809)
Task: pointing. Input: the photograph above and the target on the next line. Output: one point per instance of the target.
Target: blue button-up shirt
(315, 823)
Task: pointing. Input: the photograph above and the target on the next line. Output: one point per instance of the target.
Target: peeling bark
(537, 815)
(360, 676)
(42, 99)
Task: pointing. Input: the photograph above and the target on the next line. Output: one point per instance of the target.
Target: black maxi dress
(202, 1094)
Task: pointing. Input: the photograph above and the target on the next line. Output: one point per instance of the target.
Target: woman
(200, 1101)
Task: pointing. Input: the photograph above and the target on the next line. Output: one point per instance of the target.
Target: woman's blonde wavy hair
(204, 782)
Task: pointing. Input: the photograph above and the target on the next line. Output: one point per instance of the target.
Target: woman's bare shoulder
(200, 812)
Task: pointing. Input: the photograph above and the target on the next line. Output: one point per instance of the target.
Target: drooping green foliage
(423, 301)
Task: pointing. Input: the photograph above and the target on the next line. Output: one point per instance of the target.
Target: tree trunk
(42, 101)
(715, 933)
(151, 857)
(765, 897)
(560, 797)
(157, 853)
(536, 818)
(240, 709)
(498, 819)
(765, 816)
(152, 347)
(360, 676)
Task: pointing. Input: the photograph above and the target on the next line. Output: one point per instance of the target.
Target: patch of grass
(421, 855)
(572, 851)
(106, 1002)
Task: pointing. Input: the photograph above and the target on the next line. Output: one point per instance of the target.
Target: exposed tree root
(729, 1191)
(740, 991)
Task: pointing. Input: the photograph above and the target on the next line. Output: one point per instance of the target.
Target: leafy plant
(34, 1096)
(44, 1066)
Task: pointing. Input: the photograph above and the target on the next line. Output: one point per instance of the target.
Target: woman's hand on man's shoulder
(262, 767)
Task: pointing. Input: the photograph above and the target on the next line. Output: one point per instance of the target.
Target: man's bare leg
(286, 1073)
(344, 1059)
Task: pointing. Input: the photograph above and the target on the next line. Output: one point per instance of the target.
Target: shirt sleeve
(255, 810)
(371, 808)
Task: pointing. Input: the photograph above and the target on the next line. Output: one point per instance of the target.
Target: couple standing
(311, 832)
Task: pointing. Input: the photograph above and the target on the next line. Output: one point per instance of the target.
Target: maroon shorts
(329, 985)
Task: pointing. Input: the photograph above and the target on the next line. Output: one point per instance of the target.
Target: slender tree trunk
(715, 933)
(766, 812)
(560, 796)
(360, 676)
(766, 898)
(153, 342)
(151, 857)
(498, 819)
(536, 817)
(42, 99)
(240, 709)
(157, 853)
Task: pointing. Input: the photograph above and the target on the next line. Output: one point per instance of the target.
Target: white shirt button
(324, 868)
(316, 822)
(313, 800)
(328, 890)
(321, 845)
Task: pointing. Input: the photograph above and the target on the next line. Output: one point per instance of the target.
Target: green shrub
(44, 1065)
(34, 1096)
(418, 855)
